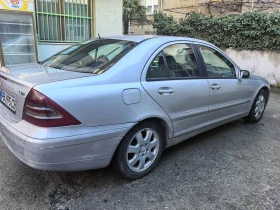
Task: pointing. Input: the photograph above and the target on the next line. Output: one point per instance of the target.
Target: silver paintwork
(110, 104)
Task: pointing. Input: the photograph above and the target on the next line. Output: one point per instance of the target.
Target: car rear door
(175, 80)
(227, 92)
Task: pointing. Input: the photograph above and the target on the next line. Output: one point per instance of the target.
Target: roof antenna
(100, 38)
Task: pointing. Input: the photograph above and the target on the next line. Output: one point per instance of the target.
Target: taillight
(42, 111)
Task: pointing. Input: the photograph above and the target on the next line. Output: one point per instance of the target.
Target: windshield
(93, 56)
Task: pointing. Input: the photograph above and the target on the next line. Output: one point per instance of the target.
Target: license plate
(8, 101)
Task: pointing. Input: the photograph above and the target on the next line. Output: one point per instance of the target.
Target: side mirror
(244, 74)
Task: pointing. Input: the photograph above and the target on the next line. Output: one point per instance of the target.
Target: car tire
(140, 150)
(258, 108)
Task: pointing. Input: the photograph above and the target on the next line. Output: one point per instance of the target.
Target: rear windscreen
(94, 56)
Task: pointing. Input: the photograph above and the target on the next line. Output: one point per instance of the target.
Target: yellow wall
(17, 5)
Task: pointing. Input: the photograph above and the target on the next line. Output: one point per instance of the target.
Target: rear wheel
(140, 150)
(258, 108)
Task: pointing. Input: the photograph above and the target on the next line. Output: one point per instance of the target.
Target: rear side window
(93, 56)
(181, 61)
(157, 69)
(175, 61)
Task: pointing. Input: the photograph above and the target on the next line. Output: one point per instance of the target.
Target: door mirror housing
(244, 74)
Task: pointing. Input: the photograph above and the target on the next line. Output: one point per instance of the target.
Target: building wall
(179, 8)
(142, 29)
(107, 22)
(147, 28)
(108, 17)
(266, 6)
(262, 63)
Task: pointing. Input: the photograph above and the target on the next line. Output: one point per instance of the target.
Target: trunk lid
(16, 82)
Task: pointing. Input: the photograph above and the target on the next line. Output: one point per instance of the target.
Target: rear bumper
(94, 152)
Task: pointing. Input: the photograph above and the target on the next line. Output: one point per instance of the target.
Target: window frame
(160, 50)
(149, 12)
(236, 68)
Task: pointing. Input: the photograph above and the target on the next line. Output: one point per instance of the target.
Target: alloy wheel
(142, 150)
(260, 105)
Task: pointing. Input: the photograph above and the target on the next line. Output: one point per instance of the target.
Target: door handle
(165, 90)
(215, 86)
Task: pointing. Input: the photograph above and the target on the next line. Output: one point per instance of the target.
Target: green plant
(133, 11)
(251, 30)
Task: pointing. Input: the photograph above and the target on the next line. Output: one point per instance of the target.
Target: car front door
(175, 80)
(227, 92)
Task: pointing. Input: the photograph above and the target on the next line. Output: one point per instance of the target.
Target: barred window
(64, 20)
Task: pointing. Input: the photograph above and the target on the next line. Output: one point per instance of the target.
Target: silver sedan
(122, 100)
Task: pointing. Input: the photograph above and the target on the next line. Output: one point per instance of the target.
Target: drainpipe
(252, 5)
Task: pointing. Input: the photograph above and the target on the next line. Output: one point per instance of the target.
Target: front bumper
(94, 152)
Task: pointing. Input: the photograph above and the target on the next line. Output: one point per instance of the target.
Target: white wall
(263, 63)
(46, 50)
(108, 17)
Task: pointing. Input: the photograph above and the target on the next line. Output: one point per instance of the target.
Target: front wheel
(140, 150)
(258, 107)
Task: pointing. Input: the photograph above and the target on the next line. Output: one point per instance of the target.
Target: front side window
(93, 56)
(175, 61)
(63, 20)
(217, 65)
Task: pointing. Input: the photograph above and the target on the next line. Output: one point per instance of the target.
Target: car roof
(140, 38)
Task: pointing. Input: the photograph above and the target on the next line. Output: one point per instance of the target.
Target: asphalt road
(235, 166)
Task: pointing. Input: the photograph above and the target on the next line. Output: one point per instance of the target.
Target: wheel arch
(267, 91)
(167, 129)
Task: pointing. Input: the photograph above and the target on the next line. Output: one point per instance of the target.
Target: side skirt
(184, 137)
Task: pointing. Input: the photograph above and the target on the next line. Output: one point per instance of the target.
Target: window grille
(64, 20)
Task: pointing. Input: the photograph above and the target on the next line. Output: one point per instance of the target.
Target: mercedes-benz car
(122, 100)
